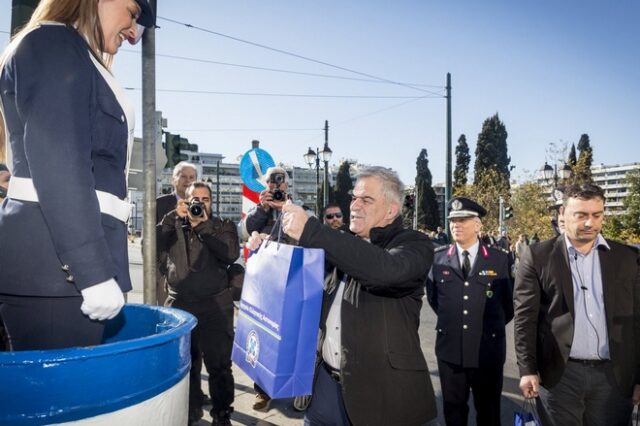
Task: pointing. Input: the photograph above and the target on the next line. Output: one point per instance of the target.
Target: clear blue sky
(552, 70)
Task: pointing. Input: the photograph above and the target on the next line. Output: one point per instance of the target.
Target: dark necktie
(466, 264)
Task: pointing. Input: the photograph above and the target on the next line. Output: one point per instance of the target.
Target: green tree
(342, 192)
(582, 169)
(491, 154)
(631, 219)
(408, 208)
(613, 228)
(463, 159)
(426, 200)
(572, 160)
(487, 192)
(530, 212)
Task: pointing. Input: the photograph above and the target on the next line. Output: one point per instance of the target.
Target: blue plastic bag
(277, 326)
(528, 416)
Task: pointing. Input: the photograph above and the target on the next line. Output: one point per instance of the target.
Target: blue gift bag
(528, 416)
(277, 325)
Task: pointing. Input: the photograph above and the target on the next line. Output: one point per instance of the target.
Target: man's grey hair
(181, 166)
(392, 186)
(276, 169)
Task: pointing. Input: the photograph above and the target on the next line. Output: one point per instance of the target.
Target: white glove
(102, 301)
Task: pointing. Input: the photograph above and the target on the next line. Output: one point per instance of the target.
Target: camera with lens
(277, 178)
(196, 208)
(278, 194)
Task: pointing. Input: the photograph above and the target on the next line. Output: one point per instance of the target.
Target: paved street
(281, 412)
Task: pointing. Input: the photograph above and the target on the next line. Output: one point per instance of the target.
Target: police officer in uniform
(470, 290)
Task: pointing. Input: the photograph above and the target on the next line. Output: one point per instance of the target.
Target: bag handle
(277, 225)
(530, 405)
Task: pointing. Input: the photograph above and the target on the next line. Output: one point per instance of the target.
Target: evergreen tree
(491, 154)
(572, 160)
(462, 165)
(631, 219)
(582, 169)
(487, 193)
(426, 201)
(408, 208)
(344, 185)
(530, 212)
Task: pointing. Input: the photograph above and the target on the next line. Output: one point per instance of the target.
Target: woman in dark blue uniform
(63, 247)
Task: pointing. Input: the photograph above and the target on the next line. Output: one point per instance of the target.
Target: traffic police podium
(138, 376)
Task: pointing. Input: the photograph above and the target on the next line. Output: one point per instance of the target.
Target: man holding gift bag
(370, 368)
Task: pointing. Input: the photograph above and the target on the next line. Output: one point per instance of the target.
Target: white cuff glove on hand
(102, 301)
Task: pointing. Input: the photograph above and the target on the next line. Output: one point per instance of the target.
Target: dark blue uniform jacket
(472, 313)
(69, 134)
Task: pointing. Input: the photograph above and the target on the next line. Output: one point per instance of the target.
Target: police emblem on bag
(252, 348)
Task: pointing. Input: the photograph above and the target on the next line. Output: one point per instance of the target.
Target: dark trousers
(457, 382)
(38, 323)
(327, 406)
(213, 338)
(258, 389)
(586, 395)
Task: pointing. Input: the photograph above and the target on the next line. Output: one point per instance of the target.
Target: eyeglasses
(330, 216)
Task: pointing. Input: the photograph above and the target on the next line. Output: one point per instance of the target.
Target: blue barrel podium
(138, 376)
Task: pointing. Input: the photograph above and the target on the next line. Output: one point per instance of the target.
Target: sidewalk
(280, 413)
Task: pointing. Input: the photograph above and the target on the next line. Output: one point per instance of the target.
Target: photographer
(199, 249)
(263, 216)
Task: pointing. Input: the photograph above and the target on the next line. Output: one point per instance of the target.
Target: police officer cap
(464, 207)
(146, 18)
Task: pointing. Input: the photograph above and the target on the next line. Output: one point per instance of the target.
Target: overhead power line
(295, 55)
(254, 67)
(283, 95)
(248, 130)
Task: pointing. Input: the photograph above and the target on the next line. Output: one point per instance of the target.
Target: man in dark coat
(469, 288)
(184, 174)
(199, 248)
(577, 318)
(371, 369)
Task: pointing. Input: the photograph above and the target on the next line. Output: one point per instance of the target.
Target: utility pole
(501, 217)
(325, 192)
(149, 134)
(416, 203)
(21, 11)
(447, 191)
(218, 188)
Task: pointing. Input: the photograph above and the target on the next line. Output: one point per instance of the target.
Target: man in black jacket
(199, 249)
(577, 318)
(371, 369)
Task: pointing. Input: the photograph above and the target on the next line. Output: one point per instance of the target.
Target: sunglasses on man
(330, 216)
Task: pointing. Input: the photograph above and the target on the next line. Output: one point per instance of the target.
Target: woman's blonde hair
(81, 14)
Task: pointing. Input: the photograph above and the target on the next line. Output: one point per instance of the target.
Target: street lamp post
(313, 157)
(551, 175)
(326, 156)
